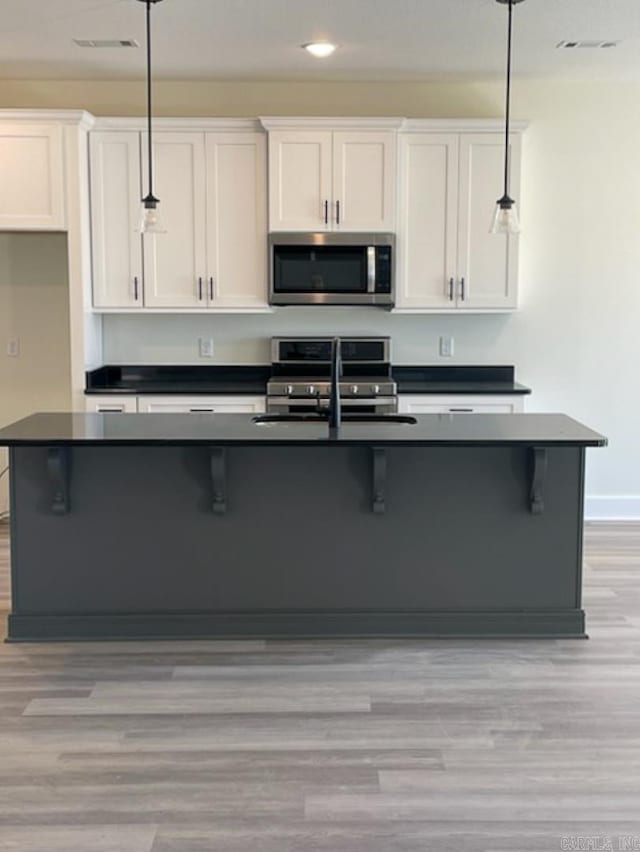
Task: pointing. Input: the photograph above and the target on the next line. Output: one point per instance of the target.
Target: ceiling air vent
(593, 45)
(106, 42)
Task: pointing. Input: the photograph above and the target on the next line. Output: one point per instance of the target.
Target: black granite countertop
(179, 379)
(237, 429)
(252, 380)
(444, 379)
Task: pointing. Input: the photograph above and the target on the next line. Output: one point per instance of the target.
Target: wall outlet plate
(13, 347)
(205, 347)
(446, 347)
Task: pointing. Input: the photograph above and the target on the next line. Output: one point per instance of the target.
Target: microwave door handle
(371, 269)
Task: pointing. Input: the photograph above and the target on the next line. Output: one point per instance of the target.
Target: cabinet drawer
(106, 404)
(201, 404)
(428, 404)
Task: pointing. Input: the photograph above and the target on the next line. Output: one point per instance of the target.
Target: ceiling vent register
(593, 45)
(106, 42)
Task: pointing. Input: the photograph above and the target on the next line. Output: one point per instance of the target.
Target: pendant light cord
(508, 104)
(149, 141)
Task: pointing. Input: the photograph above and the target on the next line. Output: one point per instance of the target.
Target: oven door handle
(323, 401)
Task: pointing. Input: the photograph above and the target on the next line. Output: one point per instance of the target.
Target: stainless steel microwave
(331, 269)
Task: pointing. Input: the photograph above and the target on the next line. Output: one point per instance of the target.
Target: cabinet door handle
(451, 285)
(201, 410)
(200, 289)
(326, 212)
(462, 289)
(135, 288)
(461, 410)
(337, 212)
(211, 289)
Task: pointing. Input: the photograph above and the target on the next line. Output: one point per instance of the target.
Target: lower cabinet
(105, 404)
(197, 404)
(460, 404)
(176, 404)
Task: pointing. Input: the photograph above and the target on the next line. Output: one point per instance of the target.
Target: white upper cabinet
(212, 188)
(115, 206)
(487, 263)
(300, 180)
(329, 179)
(364, 181)
(448, 260)
(236, 220)
(31, 177)
(429, 221)
(175, 262)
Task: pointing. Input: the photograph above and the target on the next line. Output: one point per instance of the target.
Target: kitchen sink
(265, 419)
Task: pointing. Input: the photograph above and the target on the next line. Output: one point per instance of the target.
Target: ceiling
(260, 39)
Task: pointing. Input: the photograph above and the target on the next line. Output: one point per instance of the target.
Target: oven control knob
(289, 390)
(375, 388)
(311, 389)
(353, 389)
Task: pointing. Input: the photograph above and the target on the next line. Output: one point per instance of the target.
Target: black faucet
(334, 399)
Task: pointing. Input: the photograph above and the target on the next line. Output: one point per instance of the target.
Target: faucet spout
(334, 400)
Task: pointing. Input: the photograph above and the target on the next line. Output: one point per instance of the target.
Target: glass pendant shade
(505, 217)
(150, 219)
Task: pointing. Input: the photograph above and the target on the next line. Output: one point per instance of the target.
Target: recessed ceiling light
(320, 49)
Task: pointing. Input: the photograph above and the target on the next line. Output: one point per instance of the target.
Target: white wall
(34, 307)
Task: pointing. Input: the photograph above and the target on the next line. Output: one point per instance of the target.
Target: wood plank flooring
(327, 746)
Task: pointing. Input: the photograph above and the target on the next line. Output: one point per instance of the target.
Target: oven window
(325, 269)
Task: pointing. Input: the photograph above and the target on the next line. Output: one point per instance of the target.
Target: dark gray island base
(162, 526)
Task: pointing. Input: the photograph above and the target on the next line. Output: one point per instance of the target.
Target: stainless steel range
(301, 371)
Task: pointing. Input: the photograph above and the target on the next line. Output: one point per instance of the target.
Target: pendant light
(150, 222)
(505, 218)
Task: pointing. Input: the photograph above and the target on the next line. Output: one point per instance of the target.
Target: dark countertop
(443, 379)
(252, 380)
(237, 429)
(187, 379)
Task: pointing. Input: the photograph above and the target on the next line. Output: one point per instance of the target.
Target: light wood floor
(375, 746)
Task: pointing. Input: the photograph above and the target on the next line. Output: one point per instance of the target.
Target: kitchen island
(169, 525)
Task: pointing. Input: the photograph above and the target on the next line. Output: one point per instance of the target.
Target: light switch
(13, 347)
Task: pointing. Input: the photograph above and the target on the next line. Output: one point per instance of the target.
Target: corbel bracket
(379, 462)
(59, 468)
(218, 467)
(539, 460)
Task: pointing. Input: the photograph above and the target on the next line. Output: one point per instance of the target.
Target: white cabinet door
(459, 404)
(202, 404)
(31, 177)
(114, 160)
(300, 180)
(364, 181)
(427, 243)
(106, 404)
(175, 262)
(487, 263)
(236, 220)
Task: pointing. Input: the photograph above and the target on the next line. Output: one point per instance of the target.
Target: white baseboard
(611, 508)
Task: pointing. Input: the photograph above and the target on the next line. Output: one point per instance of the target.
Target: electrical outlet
(206, 347)
(13, 347)
(446, 347)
